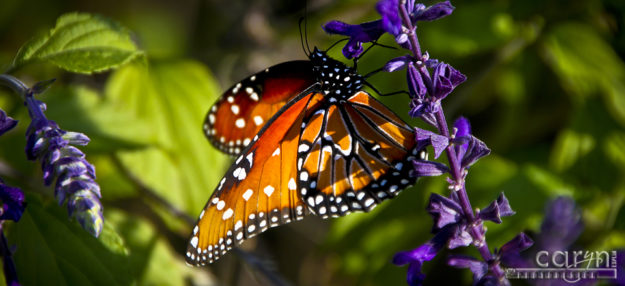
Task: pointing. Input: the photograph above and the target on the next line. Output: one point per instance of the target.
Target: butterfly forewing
(238, 115)
(352, 155)
(257, 192)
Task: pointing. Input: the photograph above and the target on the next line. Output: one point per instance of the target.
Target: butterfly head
(337, 79)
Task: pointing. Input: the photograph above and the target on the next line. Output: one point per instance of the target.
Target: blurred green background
(545, 91)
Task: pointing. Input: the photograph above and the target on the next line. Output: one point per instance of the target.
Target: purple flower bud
(477, 267)
(416, 86)
(391, 22)
(445, 79)
(397, 63)
(358, 34)
(12, 200)
(476, 150)
(86, 207)
(424, 168)
(434, 12)
(497, 209)
(6, 123)
(444, 211)
(425, 138)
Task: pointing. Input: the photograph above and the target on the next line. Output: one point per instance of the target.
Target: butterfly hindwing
(240, 113)
(352, 155)
(258, 190)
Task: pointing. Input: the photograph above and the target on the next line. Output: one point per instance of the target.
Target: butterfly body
(325, 147)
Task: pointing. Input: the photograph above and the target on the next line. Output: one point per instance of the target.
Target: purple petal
(497, 209)
(416, 257)
(12, 199)
(510, 253)
(445, 79)
(478, 268)
(397, 63)
(476, 150)
(444, 211)
(6, 123)
(428, 168)
(460, 238)
(391, 22)
(416, 85)
(434, 12)
(463, 130)
(358, 34)
(425, 138)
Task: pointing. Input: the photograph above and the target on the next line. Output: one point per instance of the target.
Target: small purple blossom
(496, 210)
(6, 123)
(12, 200)
(358, 34)
(424, 168)
(415, 258)
(75, 176)
(445, 78)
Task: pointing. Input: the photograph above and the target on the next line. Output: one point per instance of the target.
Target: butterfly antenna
(306, 26)
(301, 37)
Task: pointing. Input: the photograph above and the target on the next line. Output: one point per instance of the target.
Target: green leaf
(586, 65)
(53, 250)
(82, 43)
(569, 147)
(171, 100)
(615, 147)
(548, 182)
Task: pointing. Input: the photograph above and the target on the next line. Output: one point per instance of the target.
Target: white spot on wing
(194, 241)
(276, 152)
(268, 190)
(235, 109)
(292, 184)
(248, 194)
(258, 120)
(240, 123)
(227, 214)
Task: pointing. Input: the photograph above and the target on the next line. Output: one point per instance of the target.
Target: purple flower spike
(497, 209)
(434, 12)
(391, 22)
(6, 123)
(60, 161)
(358, 34)
(445, 79)
(479, 268)
(12, 202)
(444, 211)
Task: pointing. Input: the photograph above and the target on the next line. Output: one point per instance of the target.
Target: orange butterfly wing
(240, 113)
(353, 155)
(258, 191)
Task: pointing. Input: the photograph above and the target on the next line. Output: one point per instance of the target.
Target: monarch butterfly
(309, 140)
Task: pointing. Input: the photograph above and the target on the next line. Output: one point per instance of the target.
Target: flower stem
(15, 84)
